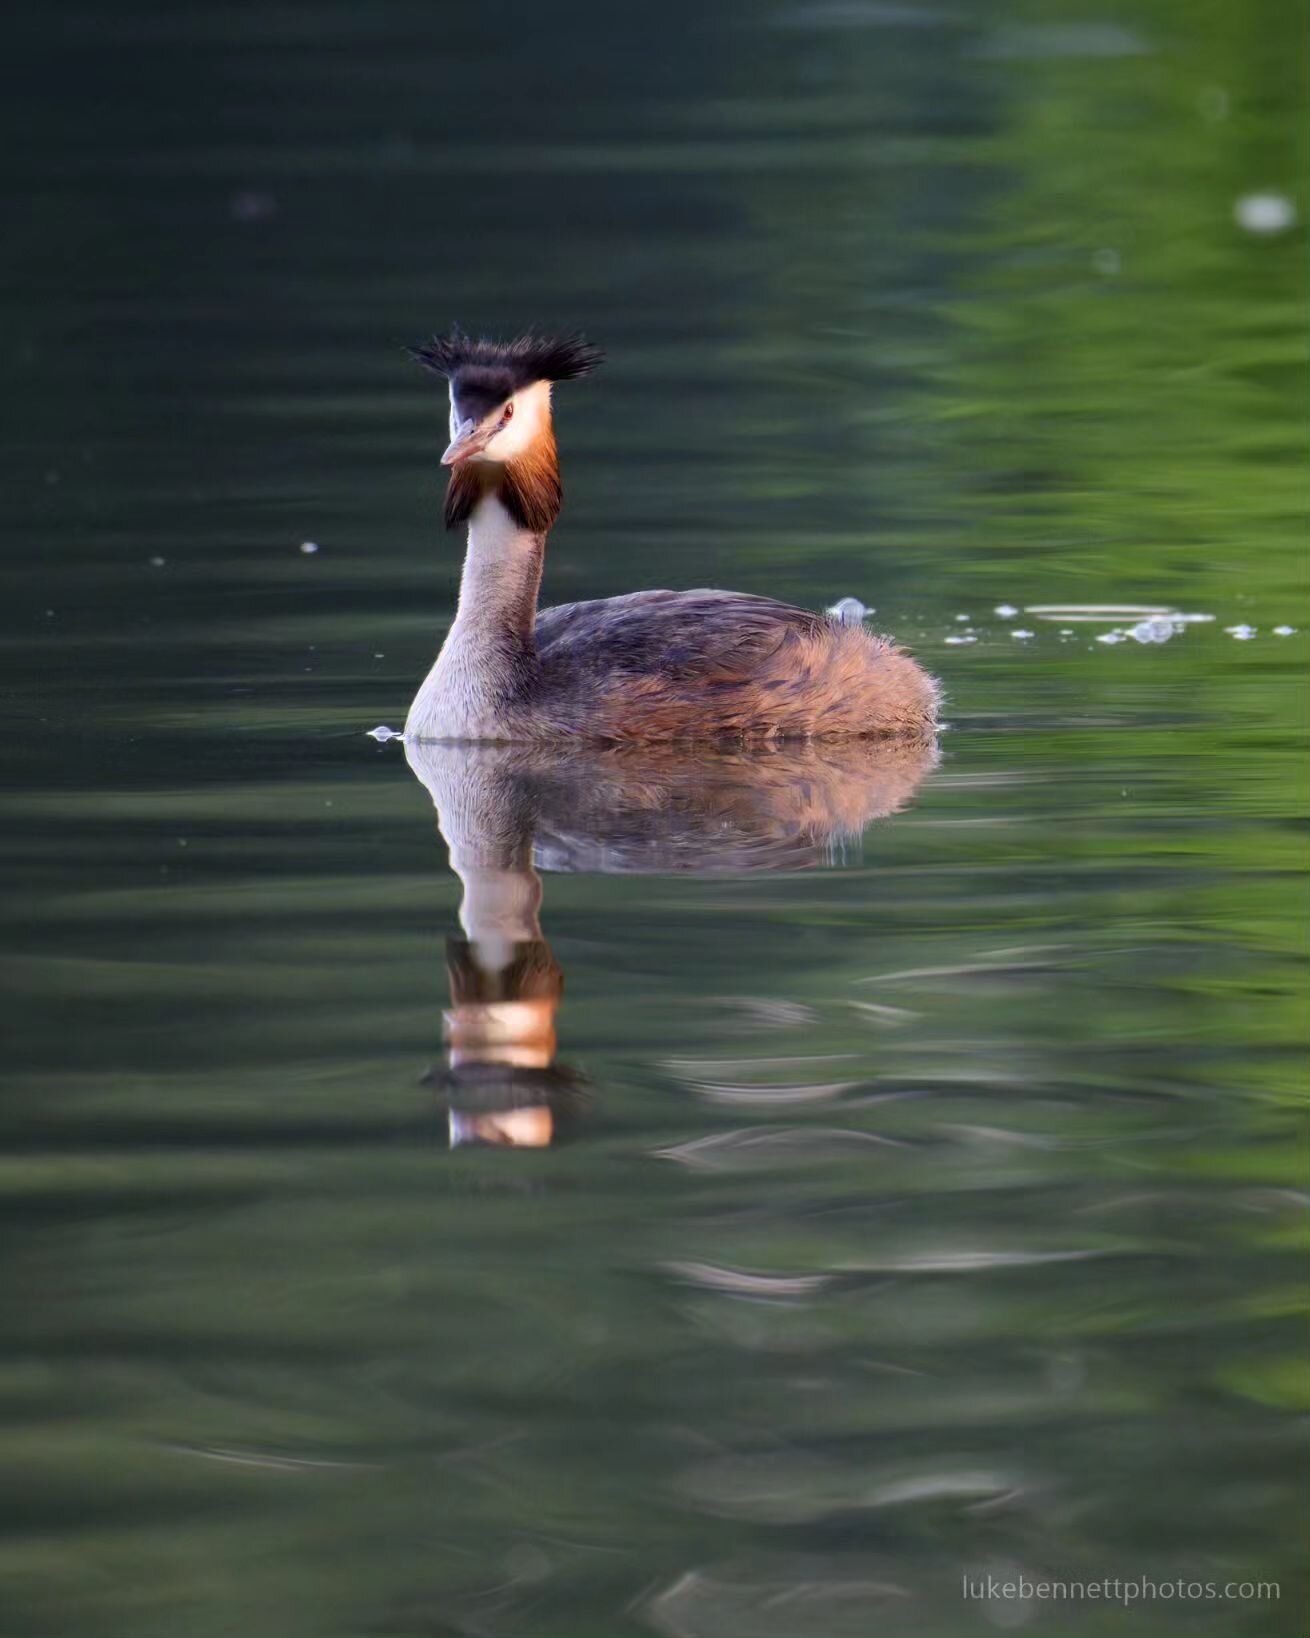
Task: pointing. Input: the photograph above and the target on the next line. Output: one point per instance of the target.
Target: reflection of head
(503, 1083)
(531, 1127)
(498, 1104)
(503, 1014)
(531, 974)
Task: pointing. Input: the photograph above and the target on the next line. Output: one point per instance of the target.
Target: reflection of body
(649, 666)
(504, 810)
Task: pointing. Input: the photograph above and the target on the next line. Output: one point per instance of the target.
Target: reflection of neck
(504, 981)
(501, 904)
(505, 984)
(504, 993)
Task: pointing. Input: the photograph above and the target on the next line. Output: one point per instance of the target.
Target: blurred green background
(994, 1259)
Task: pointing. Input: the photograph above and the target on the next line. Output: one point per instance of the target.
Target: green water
(932, 1206)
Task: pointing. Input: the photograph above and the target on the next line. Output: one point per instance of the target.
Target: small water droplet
(1006, 610)
(1265, 213)
(309, 547)
(251, 205)
(1243, 633)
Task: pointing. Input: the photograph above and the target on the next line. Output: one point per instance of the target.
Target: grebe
(648, 666)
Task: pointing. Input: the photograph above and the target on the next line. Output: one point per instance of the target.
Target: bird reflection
(507, 811)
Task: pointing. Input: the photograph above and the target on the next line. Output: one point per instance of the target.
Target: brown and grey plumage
(648, 666)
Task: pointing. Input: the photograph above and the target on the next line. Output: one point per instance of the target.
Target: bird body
(648, 666)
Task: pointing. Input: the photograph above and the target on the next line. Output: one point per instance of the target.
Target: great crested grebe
(649, 666)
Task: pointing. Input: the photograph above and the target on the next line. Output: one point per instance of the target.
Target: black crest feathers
(526, 359)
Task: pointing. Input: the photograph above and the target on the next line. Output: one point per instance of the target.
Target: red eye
(509, 412)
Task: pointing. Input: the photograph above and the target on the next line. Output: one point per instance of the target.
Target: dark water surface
(934, 1203)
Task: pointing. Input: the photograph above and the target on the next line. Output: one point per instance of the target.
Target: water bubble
(1243, 633)
(156, 562)
(1158, 629)
(965, 637)
(1005, 610)
(848, 611)
(308, 547)
(1017, 633)
(963, 619)
(1284, 631)
(1264, 213)
(1110, 637)
(383, 734)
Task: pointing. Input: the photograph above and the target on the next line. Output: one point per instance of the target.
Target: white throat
(469, 691)
(496, 552)
(501, 575)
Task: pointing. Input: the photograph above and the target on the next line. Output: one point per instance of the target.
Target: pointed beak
(470, 439)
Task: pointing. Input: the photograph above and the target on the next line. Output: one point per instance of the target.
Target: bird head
(500, 390)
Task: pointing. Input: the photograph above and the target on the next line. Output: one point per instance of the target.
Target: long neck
(501, 579)
(488, 661)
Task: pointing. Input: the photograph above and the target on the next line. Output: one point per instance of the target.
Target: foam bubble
(1158, 629)
(1265, 213)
